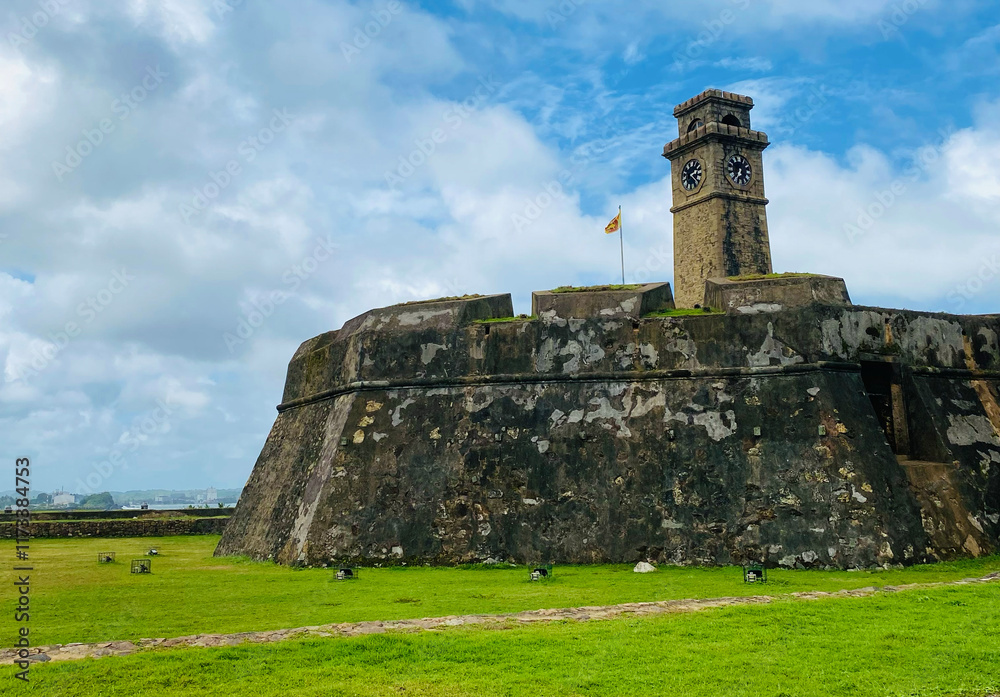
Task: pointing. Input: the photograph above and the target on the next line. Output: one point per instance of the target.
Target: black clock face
(691, 175)
(739, 170)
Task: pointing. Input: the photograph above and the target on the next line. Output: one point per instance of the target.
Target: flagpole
(621, 241)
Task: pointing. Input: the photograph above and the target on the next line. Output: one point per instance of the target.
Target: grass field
(74, 599)
(942, 641)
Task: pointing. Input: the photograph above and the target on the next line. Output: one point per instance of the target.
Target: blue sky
(166, 167)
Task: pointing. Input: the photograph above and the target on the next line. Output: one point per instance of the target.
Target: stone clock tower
(720, 223)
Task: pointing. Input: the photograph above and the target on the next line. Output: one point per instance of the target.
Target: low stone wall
(766, 295)
(121, 528)
(77, 514)
(627, 302)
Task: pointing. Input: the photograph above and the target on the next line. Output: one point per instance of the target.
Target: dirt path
(72, 652)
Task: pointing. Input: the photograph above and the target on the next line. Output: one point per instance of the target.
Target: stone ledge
(678, 145)
(443, 314)
(718, 95)
(599, 303)
(570, 378)
(448, 312)
(760, 295)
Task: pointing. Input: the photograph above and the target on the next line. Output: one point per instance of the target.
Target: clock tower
(720, 223)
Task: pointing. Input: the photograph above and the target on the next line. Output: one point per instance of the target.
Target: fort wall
(817, 435)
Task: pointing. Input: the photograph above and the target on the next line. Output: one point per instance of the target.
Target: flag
(615, 225)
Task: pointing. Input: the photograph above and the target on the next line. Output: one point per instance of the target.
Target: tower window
(731, 120)
(695, 124)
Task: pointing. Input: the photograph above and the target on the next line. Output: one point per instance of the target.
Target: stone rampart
(794, 437)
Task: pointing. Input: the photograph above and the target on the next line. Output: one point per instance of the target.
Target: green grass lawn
(74, 599)
(917, 643)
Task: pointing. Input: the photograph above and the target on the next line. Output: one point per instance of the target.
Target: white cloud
(916, 232)
(179, 21)
(633, 54)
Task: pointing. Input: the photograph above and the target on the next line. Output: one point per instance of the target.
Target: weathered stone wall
(621, 439)
(632, 302)
(747, 297)
(120, 528)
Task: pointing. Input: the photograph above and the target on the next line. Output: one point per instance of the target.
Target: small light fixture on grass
(754, 573)
(105, 557)
(541, 572)
(347, 573)
(142, 566)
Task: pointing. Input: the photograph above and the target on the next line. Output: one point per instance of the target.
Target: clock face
(691, 175)
(739, 170)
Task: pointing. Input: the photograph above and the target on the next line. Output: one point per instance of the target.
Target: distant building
(61, 498)
(211, 495)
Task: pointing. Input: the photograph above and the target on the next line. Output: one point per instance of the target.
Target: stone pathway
(72, 652)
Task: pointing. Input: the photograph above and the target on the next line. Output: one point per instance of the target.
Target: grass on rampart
(594, 289)
(766, 276)
(504, 320)
(685, 312)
